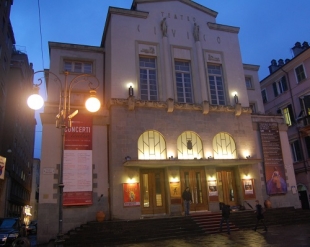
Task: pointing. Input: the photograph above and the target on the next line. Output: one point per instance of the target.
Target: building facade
(286, 92)
(180, 109)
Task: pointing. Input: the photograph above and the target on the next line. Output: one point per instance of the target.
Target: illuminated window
(151, 146)
(224, 146)
(189, 146)
(288, 115)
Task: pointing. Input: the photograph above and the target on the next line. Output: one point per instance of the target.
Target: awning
(200, 162)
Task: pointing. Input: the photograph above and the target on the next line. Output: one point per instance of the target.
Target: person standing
(187, 199)
(225, 217)
(259, 215)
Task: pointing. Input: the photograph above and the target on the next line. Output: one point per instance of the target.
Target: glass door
(226, 187)
(194, 178)
(153, 191)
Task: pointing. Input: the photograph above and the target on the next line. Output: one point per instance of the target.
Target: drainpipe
(299, 135)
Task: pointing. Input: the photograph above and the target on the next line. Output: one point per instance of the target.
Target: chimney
(297, 49)
(305, 45)
(273, 67)
(280, 62)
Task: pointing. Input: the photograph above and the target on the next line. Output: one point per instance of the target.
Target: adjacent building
(179, 110)
(17, 123)
(286, 92)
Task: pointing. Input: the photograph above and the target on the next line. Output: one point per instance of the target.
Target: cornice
(224, 28)
(170, 105)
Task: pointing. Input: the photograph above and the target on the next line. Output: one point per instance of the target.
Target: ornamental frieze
(170, 105)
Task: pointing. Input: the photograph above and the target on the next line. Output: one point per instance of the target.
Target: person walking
(225, 217)
(259, 216)
(187, 199)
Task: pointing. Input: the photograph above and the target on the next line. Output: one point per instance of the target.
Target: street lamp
(63, 120)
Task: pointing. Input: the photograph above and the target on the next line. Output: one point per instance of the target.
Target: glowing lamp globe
(35, 101)
(92, 104)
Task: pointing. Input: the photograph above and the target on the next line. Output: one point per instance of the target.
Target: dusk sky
(268, 29)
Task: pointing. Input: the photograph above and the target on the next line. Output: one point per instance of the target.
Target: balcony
(303, 124)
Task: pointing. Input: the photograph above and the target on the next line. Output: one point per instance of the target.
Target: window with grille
(216, 83)
(148, 78)
(78, 67)
(183, 82)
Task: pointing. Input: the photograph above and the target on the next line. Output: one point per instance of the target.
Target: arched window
(224, 146)
(189, 146)
(151, 146)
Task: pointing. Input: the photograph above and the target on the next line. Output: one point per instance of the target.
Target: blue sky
(268, 28)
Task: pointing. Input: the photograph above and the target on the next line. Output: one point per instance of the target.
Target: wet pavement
(276, 236)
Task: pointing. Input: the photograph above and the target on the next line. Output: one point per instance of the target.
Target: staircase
(210, 222)
(108, 233)
(111, 233)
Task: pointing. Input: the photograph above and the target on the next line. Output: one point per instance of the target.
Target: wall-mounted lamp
(249, 156)
(130, 91)
(127, 158)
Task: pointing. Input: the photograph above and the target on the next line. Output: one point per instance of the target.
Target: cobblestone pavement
(277, 236)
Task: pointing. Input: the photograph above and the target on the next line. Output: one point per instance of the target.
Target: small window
(280, 86)
(264, 95)
(248, 82)
(253, 107)
(300, 73)
(78, 67)
(296, 151)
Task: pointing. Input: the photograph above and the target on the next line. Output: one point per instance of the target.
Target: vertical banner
(77, 170)
(273, 160)
(131, 193)
(2, 167)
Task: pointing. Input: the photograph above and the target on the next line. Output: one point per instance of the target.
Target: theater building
(179, 109)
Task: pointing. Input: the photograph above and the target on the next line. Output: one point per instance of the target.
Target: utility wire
(41, 33)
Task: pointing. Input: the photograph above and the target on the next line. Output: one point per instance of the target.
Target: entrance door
(226, 186)
(195, 179)
(153, 191)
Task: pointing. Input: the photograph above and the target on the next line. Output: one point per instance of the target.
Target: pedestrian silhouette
(259, 216)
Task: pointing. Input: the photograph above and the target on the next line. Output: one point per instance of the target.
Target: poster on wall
(273, 160)
(212, 187)
(175, 190)
(2, 167)
(131, 194)
(77, 170)
(248, 187)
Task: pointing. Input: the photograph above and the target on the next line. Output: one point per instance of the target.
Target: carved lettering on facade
(173, 32)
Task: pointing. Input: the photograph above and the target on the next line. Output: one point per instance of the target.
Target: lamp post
(63, 121)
